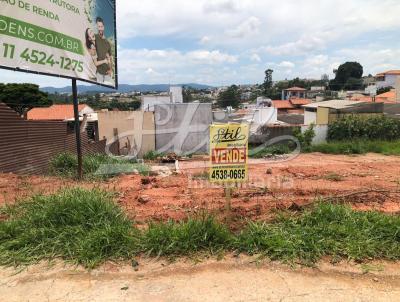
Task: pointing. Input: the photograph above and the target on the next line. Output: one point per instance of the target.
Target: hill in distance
(122, 88)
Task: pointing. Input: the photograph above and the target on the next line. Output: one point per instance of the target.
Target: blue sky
(220, 42)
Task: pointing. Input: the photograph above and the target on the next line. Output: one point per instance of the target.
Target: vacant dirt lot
(234, 279)
(274, 185)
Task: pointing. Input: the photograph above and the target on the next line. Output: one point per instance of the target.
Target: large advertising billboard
(66, 38)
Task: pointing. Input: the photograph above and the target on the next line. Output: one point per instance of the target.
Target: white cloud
(255, 57)
(298, 38)
(221, 7)
(204, 40)
(249, 27)
(163, 66)
(286, 64)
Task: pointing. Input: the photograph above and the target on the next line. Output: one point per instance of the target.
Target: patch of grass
(327, 230)
(81, 226)
(368, 268)
(152, 155)
(85, 227)
(95, 166)
(358, 147)
(184, 238)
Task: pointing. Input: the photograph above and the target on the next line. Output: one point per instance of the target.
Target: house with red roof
(59, 113)
(293, 105)
(390, 97)
(65, 113)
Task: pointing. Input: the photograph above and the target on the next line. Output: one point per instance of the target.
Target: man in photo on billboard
(103, 49)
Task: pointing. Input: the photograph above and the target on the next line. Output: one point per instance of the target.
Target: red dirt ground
(273, 186)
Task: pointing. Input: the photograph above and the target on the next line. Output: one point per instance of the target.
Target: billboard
(229, 153)
(65, 38)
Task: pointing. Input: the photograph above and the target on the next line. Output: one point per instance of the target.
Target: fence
(28, 146)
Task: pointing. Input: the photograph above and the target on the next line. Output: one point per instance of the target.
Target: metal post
(77, 129)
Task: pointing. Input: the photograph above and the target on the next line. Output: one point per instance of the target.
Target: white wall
(86, 110)
(176, 94)
(321, 133)
(310, 117)
(149, 101)
(267, 115)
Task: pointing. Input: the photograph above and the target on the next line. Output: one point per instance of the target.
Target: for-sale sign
(229, 153)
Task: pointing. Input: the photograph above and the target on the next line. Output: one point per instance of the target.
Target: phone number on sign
(42, 58)
(228, 174)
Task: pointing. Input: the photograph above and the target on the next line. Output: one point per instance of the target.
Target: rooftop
(282, 104)
(334, 104)
(389, 72)
(296, 101)
(54, 113)
(387, 97)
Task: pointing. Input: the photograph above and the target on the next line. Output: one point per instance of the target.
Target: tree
(23, 97)
(187, 95)
(268, 81)
(348, 76)
(229, 97)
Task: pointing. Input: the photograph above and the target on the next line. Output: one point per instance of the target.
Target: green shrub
(355, 127)
(358, 147)
(81, 226)
(305, 138)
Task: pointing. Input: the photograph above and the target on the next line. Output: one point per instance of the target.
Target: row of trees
(348, 77)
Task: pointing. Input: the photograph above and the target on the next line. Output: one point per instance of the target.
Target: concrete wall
(135, 130)
(183, 128)
(149, 101)
(310, 117)
(321, 133)
(268, 115)
(220, 117)
(323, 116)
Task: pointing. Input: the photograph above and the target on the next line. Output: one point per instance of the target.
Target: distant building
(324, 113)
(294, 92)
(387, 79)
(263, 102)
(176, 93)
(175, 96)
